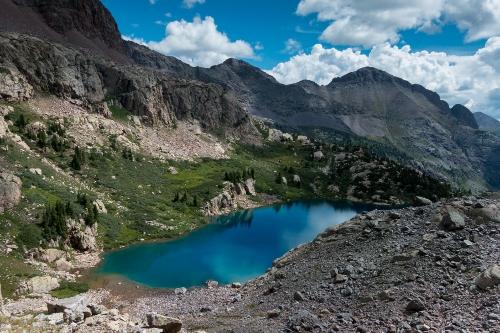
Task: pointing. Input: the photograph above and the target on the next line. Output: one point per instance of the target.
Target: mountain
(487, 123)
(73, 49)
(79, 54)
(367, 103)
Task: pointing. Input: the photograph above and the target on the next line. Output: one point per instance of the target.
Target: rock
(14, 86)
(274, 313)
(318, 155)
(415, 305)
(341, 278)
(489, 278)
(287, 137)
(236, 285)
(53, 319)
(38, 285)
(99, 205)
(168, 324)
(76, 303)
(422, 201)
(284, 181)
(491, 212)
(35, 128)
(10, 190)
(63, 265)
(346, 292)
(82, 237)
(211, 284)
(36, 171)
(298, 296)
(97, 309)
(249, 185)
(172, 170)
(296, 179)
(180, 291)
(74, 316)
(51, 255)
(275, 135)
(386, 295)
(302, 139)
(452, 219)
(4, 128)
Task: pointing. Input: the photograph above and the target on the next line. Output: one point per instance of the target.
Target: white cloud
(469, 80)
(198, 43)
(368, 23)
(292, 46)
(192, 3)
(152, 2)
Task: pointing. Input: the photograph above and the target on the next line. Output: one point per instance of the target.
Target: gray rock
(180, 291)
(298, 296)
(249, 185)
(489, 278)
(273, 313)
(211, 284)
(38, 285)
(318, 155)
(452, 219)
(76, 303)
(168, 324)
(423, 201)
(10, 190)
(415, 305)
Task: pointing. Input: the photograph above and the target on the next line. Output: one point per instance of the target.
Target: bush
(69, 289)
(30, 236)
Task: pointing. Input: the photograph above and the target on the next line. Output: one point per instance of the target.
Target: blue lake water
(236, 247)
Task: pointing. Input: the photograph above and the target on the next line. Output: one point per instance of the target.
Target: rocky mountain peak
(82, 23)
(366, 74)
(464, 116)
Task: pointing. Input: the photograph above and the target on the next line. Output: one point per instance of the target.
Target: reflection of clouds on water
(317, 220)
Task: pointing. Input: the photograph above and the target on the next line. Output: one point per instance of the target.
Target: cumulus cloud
(192, 3)
(369, 23)
(469, 80)
(199, 43)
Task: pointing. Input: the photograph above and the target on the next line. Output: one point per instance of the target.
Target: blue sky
(450, 46)
(269, 23)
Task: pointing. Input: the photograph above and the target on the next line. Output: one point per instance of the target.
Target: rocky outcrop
(10, 190)
(82, 237)
(228, 200)
(14, 86)
(158, 99)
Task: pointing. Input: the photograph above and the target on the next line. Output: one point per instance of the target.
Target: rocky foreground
(433, 268)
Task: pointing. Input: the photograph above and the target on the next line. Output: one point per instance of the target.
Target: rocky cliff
(487, 123)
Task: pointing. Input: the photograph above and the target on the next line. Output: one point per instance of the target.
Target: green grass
(119, 113)
(69, 289)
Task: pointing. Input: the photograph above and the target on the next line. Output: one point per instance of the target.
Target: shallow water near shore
(236, 247)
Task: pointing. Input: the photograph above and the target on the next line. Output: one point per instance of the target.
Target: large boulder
(51, 255)
(35, 128)
(71, 303)
(38, 285)
(167, 324)
(452, 219)
(489, 278)
(10, 190)
(491, 212)
(318, 155)
(421, 201)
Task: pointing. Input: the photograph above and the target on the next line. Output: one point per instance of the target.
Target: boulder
(287, 137)
(172, 170)
(51, 255)
(452, 219)
(82, 237)
(10, 190)
(250, 186)
(421, 201)
(296, 179)
(302, 139)
(489, 278)
(415, 305)
(491, 212)
(36, 171)
(4, 128)
(275, 135)
(75, 304)
(38, 285)
(318, 155)
(284, 181)
(211, 284)
(168, 324)
(63, 265)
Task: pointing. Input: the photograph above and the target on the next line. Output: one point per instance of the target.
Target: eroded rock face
(10, 190)
(14, 86)
(227, 199)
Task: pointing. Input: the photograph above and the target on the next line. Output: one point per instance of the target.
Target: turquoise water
(236, 247)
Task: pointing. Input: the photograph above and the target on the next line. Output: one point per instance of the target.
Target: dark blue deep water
(237, 247)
